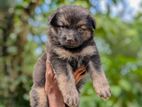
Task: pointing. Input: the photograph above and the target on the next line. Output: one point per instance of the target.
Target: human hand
(54, 95)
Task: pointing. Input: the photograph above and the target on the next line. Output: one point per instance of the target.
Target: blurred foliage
(23, 28)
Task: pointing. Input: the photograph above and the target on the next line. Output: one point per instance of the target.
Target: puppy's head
(70, 26)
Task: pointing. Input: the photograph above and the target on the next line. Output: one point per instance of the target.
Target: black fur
(70, 45)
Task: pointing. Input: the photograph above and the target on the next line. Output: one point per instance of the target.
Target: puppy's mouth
(73, 47)
(71, 44)
(77, 47)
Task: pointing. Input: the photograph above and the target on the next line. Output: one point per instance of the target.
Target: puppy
(70, 45)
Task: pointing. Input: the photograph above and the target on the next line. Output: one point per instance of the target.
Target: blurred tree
(14, 30)
(6, 4)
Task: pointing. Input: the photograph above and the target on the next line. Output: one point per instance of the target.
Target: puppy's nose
(69, 40)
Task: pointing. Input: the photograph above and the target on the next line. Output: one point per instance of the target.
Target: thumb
(49, 71)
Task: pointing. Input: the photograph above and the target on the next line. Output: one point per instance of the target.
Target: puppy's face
(71, 26)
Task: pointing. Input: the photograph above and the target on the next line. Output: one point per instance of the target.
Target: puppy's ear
(92, 22)
(52, 20)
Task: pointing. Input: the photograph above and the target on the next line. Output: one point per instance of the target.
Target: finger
(79, 74)
(49, 71)
(48, 58)
(80, 71)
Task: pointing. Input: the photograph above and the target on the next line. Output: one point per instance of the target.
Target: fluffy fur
(71, 45)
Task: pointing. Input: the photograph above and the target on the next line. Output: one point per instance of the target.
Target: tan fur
(97, 74)
(82, 22)
(68, 88)
(42, 96)
(63, 80)
(90, 50)
(86, 35)
(63, 21)
(100, 82)
(52, 30)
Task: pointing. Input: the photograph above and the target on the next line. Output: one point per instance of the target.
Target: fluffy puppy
(71, 45)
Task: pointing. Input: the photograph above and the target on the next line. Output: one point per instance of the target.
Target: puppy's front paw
(102, 88)
(71, 97)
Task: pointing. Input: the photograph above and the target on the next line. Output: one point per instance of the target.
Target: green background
(23, 34)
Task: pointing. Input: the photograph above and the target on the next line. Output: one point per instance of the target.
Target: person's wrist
(53, 94)
(52, 90)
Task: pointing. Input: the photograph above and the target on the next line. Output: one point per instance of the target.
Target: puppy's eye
(82, 29)
(63, 26)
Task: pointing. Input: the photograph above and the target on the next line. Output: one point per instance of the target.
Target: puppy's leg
(66, 82)
(37, 94)
(38, 97)
(100, 82)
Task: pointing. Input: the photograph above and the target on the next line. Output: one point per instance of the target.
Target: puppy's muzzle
(70, 41)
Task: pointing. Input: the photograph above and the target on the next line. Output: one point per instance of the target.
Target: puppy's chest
(75, 59)
(65, 54)
(77, 62)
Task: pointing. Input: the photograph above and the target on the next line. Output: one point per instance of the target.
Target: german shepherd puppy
(70, 45)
